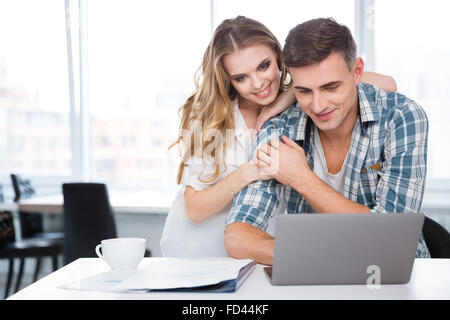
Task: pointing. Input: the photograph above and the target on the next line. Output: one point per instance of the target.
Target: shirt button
(363, 170)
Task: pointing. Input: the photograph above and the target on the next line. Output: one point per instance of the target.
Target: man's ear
(358, 70)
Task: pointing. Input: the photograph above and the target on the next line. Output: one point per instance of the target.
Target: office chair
(11, 249)
(31, 224)
(88, 219)
(437, 238)
(33, 236)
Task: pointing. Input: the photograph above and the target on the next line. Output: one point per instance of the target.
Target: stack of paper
(173, 274)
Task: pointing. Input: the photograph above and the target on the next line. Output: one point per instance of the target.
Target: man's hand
(286, 161)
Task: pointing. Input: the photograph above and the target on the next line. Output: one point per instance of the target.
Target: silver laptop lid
(345, 248)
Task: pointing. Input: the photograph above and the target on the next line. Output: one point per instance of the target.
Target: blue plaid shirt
(386, 165)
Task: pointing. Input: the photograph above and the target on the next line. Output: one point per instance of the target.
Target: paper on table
(166, 273)
(171, 273)
(105, 281)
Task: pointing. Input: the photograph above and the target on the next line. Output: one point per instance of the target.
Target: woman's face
(254, 73)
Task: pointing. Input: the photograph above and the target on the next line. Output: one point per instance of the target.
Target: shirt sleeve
(196, 173)
(256, 202)
(402, 180)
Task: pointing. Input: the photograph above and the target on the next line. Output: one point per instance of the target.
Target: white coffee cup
(122, 253)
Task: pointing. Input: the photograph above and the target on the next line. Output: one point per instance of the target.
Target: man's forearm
(244, 241)
(325, 199)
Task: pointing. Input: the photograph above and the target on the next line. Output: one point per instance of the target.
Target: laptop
(332, 249)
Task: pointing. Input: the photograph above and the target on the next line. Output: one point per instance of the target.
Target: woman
(242, 83)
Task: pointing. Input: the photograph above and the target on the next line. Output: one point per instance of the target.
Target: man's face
(327, 93)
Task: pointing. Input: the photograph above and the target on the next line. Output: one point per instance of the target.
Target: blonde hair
(211, 102)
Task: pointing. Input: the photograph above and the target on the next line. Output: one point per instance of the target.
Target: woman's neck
(248, 105)
(250, 111)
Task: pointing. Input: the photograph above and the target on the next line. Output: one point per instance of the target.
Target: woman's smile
(264, 93)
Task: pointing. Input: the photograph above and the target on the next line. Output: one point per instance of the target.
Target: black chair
(31, 224)
(11, 249)
(437, 238)
(36, 243)
(88, 219)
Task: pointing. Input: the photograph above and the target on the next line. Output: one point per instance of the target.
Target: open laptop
(314, 249)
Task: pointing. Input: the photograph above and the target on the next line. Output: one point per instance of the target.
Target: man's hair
(314, 40)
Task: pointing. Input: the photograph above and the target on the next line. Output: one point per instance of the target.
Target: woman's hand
(285, 160)
(284, 100)
(266, 113)
(253, 172)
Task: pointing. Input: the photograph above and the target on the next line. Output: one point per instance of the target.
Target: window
(413, 48)
(283, 15)
(142, 60)
(34, 102)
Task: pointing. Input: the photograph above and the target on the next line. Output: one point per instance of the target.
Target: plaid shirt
(386, 167)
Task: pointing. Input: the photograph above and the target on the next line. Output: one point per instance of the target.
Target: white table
(430, 279)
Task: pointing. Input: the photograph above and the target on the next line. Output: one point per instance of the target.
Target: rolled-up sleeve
(402, 179)
(255, 203)
(196, 173)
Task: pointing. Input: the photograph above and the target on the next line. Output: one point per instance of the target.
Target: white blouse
(183, 237)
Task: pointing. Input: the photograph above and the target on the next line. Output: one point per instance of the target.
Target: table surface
(145, 201)
(430, 279)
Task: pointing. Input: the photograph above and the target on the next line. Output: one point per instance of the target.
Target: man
(346, 147)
